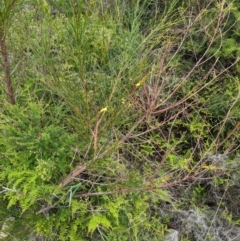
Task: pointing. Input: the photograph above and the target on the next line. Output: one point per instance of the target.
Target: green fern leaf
(96, 221)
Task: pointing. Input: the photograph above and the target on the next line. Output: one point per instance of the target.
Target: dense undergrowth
(113, 112)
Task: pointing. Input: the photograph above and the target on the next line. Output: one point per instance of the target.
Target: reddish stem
(6, 68)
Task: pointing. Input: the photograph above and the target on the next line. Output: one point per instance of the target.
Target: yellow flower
(142, 80)
(129, 105)
(140, 83)
(103, 110)
(185, 164)
(210, 167)
(166, 178)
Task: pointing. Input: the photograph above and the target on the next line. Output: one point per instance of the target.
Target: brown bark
(6, 69)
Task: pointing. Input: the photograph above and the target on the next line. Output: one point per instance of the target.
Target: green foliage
(30, 138)
(7, 10)
(36, 151)
(97, 221)
(119, 105)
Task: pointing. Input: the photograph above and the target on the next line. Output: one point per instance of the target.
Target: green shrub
(119, 105)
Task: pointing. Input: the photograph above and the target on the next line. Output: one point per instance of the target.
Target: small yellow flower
(142, 80)
(186, 164)
(210, 167)
(186, 168)
(139, 83)
(129, 105)
(103, 110)
(165, 178)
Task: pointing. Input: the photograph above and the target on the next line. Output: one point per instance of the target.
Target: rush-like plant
(119, 113)
(8, 10)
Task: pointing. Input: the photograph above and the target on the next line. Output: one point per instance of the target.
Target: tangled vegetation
(116, 115)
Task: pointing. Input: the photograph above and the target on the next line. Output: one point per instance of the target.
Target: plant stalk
(6, 69)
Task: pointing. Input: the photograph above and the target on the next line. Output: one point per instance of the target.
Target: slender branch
(77, 171)
(6, 68)
(129, 190)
